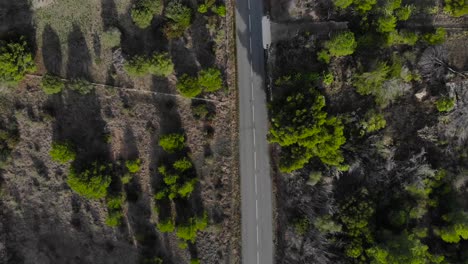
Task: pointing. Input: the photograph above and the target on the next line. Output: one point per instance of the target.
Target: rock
(421, 94)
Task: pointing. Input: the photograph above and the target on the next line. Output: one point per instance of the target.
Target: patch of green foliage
(166, 226)
(303, 129)
(114, 207)
(456, 229)
(326, 225)
(80, 86)
(210, 79)
(436, 38)
(371, 82)
(180, 17)
(200, 111)
(404, 12)
(111, 38)
(402, 37)
(188, 86)
(187, 232)
(91, 182)
(182, 164)
(342, 44)
(219, 10)
(51, 84)
(372, 122)
(133, 166)
(159, 64)
(342, 3)
(62, 152)
(172, 142)
(143, 12)
(456, 8)
(15, 62)
(195, 261)
(445, 104)
(328, 78)
(386, 24)
(114, 218)
(301, 225)
(314, 177)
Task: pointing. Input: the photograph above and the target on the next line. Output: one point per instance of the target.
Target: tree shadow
(51, 51)
(203, 49)
(79, 57)
(16, 20)
(184, 60)
(109, 13)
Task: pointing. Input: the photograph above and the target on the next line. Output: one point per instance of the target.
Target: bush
(328, 78)
(62, 152)
(202, 9)
(111, 38)
(114, 218)
(373, 122)
(166, 226)
(159, 64)
(456, 8)
(51, 84)
(301, 127)
(15, 62)
(323, 56)
(301, 226)
(188, 86)
(386, 24)
(144, 11)
(187, 188)
(402, 38)
(200, 111)
(364, 6)
(172, 142)
(188, 231)
(133, 166)
(445, 104)
(404, 13)
(219, 10)
(438, 37)
(183, 164)
(342, 44)
(325, 224)
(91, 182)
(210, 80)
(81, 86)
(115, 202)
(342, 3)
(181, 18)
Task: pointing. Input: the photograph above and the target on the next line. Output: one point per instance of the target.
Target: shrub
(456, 8)
(342, 3)
(438, 37)
(144, 11)
(126, 178)
(386, 24)
(364, 6)
(183, 164)
(325, 224)
(314, 177)
(91, 182)
(404, 13)
(166, 226)
(323, 56)
(402, 37)
(445, 104)
(303, 130)
(302, 226)
(111, 38)
(219, 10)
(114, 218)
(202, 9)
(187, 188)
(328, 78)
(159, 64)
(210, 80)
(15, 62)
(188, 86)
(133, 166)
(181, 18)
(200, 111)
(188, 231)
(172, 142)
(51, 84)
(62, 152)
(373, 122)
(81, 86)
(194, 261)
(342, 44)
(115, 202)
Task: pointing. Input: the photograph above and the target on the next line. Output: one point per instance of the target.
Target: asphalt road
(256, 203)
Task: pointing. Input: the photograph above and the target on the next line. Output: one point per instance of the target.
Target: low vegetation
(15, 62)
(159, 64)
(62, 152)
(51, 84)
(144, 10)
(208, 80)
(91, 181)
(180, 19)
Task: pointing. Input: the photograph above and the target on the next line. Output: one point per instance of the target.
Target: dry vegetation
(105, 118)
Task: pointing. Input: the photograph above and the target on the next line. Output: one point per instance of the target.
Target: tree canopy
(15, 61)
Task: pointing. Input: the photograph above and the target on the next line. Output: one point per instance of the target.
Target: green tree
(114, 218)
(373, 122)
(92, 182)
(172, 142)
(210, 79)
(386, 24)
(188, 86)
(404, 13)
(133, 166)
(456, 8)
(80, 86)
(188, 231)
(62, 152)
(436, 38)
(15, 62)
(166, 226)
(364, 6)
(111, 38)
(51, 84)
(342, 44)
(342, 3)
(445, 104)
(187, 188)
(143, 12)
(456, 228)
(325, 224)
(159, 64)
(180, 17)
(219, 10)
(303, 130)
(183, 164)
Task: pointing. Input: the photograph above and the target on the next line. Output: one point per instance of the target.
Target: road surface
(256, 203)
